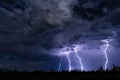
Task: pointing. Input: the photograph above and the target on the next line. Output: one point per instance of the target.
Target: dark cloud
(92, 9)
(32, 29)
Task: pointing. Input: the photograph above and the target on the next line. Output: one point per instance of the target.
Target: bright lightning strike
(76, 48)
(69, 61)
(66, 52)
(107, 45)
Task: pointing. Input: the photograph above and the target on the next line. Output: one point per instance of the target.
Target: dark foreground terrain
(60, 76)
(100, 74)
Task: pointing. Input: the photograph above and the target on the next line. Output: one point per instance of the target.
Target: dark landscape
(100, 74)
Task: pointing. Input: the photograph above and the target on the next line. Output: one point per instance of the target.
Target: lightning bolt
(59, 68)
(80, 61)
(75, 48)
(69, 62)
(66, 51)
(107, 45)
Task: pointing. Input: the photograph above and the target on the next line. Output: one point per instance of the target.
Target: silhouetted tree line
(99, 74)
(100, 69)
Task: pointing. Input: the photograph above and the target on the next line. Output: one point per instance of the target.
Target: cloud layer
(31, 29)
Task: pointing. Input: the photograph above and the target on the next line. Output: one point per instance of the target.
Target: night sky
(59, 34)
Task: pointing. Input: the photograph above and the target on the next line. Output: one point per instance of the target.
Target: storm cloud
(33, 29)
